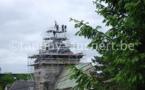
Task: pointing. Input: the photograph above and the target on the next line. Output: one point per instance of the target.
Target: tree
(123, 52)
(9, 79)
(6, 79)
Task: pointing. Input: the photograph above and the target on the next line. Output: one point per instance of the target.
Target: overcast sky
(23, 23)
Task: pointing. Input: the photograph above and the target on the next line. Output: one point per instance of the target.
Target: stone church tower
(54, 57)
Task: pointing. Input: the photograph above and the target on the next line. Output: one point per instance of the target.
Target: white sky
(25, 21)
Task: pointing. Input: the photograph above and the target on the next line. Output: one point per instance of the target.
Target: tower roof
(55, 46)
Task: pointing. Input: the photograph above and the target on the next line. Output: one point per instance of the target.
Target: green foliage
(86, 81)
(22, 77)
(125, 67)
(1, 88)
(8, 79)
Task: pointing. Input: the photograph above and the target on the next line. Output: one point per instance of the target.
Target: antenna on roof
(56, 26)
(63, 27)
